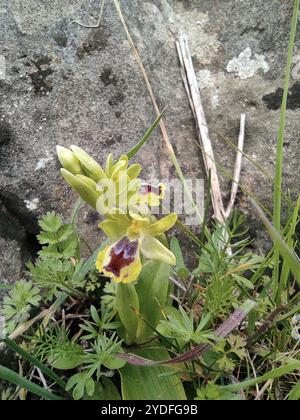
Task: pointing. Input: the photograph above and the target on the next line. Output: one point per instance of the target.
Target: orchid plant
(135, 235)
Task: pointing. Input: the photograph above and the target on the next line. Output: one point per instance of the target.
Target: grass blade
(274, 374)
(280, 245)
(289, 240)
(14, 378)
(280, 142)
(141, 143)
(295, 393)
(35, 362)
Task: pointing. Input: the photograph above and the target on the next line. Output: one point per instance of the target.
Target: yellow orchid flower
(118, 194)
(133, 235)
(120, 261)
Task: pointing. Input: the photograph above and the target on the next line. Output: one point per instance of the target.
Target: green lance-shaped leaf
(89, 195)
(127, 302)
(152, 289)
(273, 374)
(106, 390)
(294, 395)
(91, 168)
(154, 382)
(68, 160)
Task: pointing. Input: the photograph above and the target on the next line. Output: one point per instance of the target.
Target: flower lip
(122, 254)
(146, 189)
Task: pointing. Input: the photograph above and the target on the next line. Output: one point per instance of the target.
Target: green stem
(280, 141)
(79, 203)
(73, 292)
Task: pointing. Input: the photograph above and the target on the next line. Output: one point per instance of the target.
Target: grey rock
(66, 84)
(10, 262)
(226, 31)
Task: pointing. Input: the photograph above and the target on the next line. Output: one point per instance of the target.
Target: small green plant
(108, 317)
(228, 350)
(99, 323)
(181, 326)
(103, 354)
(19, 302)
(213, 392)
(59, 263)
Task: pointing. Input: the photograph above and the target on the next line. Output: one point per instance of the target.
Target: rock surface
(66, 84)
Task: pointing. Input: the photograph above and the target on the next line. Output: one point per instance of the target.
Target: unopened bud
(91, 168)
(134, 170)
(88, 194)
(68, 160)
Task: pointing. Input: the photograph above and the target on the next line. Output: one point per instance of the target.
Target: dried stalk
(163, 128)
(238, 167)
(263, 389)
(193, 93)
(145, 76)
(198, 111)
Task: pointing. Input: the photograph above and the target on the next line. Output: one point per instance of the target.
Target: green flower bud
(134, 170)
(88, 194)
(88, 181)
(109, 165)
(91, 168)
(68, 160)
(124, 158)
(118, 167)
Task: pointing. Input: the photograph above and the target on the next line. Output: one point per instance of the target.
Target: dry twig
(238, 167)
(198, 111)
(193, 93)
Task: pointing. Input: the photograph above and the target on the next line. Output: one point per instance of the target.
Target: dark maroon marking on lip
(148, 189)
(121, 256)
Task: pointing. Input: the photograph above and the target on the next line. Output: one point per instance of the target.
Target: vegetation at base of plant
(18, 303)
(82, 342)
